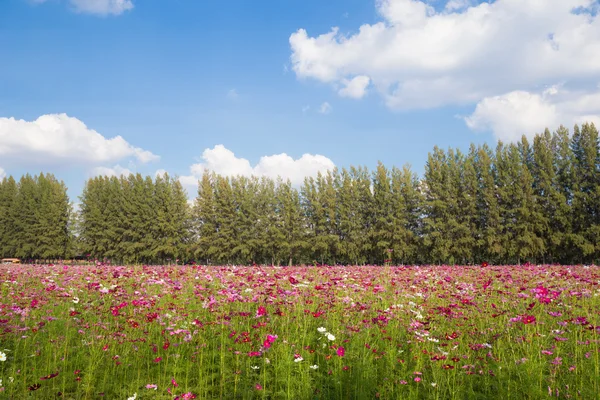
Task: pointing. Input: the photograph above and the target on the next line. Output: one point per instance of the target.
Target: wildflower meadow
(196, 332)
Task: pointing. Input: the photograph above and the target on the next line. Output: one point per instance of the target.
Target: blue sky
(176, 78)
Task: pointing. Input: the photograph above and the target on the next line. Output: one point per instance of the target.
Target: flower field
(169, 332)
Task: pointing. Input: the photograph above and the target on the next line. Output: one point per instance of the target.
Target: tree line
(535, 201)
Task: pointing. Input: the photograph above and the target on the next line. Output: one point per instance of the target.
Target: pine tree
(52, 218)
(224, 241)
(438, 205)
(293, 226)
(548, 199)
(205, 218)
(365, 214)
(25, 217)
(585, 151)
(464, 177)
(406, 211)
(383, 231)
(487, 214)
(8, 199)
(347, 214)
(563, 240)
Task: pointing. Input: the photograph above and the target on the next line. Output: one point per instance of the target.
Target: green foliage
(34, 216)
(537, 202)
(134, 219)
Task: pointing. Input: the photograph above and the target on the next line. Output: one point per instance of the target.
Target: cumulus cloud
(224, 162)
(2, 173)
(117, 171)
(523, 113)
(325, 108)
(60, 139)
(99, 7)
(464, 52)
(355, 88)
(418, 57)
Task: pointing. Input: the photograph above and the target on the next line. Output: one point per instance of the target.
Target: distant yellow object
(11, 261)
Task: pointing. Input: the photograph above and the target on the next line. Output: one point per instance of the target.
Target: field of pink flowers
(188, 332)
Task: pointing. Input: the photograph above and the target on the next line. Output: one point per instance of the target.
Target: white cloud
(417, 57)
(325, 108)
(102, 7)
(523, 113)
(355, 88)
(2, 173)
(117, 171)
(60, 139)
(224, 162)
(454, 5)
(99, 7)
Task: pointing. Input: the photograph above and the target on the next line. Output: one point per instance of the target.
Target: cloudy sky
(278, 87)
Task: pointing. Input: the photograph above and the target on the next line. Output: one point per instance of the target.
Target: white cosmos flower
(255, 367)
(2, 356)
(298, 359)
(322, 330)
(75, 300)
(330, 337)
(132, 397)
(314, 366)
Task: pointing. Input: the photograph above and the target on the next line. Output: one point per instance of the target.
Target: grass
(446, 332)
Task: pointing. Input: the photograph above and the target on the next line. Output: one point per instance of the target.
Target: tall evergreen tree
(406, 215)
(488, 243)
(383, 223)
(292, 223)
(8, 201)
(438, 206)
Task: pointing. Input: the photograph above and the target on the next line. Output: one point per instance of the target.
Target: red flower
(262, 311)
(341, 351)
(528, 319)
(45, 378)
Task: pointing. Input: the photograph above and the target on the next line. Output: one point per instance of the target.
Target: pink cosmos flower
(341, 351)
(262, 311)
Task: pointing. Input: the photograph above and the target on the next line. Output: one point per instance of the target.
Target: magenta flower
(341, 351)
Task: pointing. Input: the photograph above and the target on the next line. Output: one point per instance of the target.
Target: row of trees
(34, 217)
(537, 201)
(134, 219)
